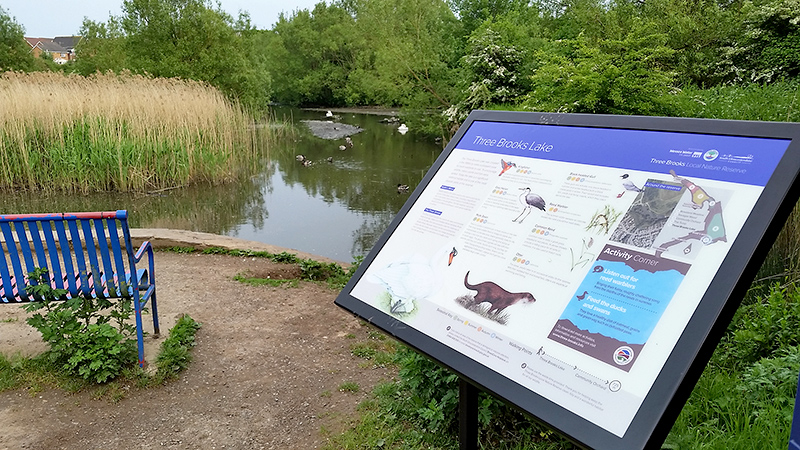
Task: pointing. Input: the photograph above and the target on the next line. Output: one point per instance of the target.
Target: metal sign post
(467, 415)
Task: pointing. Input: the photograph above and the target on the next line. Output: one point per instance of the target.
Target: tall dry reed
(119, 132)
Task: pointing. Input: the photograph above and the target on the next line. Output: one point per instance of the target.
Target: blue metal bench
(89, 254)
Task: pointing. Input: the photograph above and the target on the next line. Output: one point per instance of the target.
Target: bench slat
(104, 251)
(80, 260)
(41, 256)
(120, 266)
(52, 250)
(66, 255)
(91, 251)
(13, 255)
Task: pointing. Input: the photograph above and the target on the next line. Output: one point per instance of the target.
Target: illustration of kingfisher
(452, 256)
(506, 165)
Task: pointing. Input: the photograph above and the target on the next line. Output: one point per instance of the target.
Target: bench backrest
(86, 253)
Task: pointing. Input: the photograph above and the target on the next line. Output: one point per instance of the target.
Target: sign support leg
(467, 415)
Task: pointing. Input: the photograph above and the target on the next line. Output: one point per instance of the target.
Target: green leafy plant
(89, 337)
(175, 355)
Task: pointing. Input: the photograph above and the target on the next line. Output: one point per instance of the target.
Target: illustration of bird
(505, 166)
(412, 278)
(452, 256)
(529, 200)
(402, 188)
(628, 186)
(582, 296)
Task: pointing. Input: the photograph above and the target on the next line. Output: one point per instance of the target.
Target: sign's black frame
(680, 373)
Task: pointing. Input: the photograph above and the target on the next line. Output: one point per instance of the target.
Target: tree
(101, 48)
(771, 47)
(609, 76)
(15, 54)
(311, 56)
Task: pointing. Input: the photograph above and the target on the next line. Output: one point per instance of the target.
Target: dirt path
(266, 372)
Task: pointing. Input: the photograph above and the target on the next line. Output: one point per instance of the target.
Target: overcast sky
(50, 18)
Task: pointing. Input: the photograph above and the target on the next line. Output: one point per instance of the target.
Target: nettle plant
(89, 337)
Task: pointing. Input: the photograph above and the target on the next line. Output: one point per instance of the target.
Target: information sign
(582, 267)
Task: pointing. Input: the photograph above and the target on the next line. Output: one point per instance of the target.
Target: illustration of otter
(498, 297)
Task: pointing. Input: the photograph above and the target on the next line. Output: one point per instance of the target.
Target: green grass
(331, 273)
(349, 386)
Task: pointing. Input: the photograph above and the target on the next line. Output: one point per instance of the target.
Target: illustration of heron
(529, 200)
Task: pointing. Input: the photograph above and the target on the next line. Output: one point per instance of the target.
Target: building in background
(60, 48)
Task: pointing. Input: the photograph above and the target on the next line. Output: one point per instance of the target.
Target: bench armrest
(146, 247)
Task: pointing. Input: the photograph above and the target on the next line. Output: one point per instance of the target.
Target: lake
(335, 209)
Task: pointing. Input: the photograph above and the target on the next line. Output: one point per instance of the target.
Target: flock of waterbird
(348, 143)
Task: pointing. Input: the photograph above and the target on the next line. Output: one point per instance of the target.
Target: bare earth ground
(266, 372)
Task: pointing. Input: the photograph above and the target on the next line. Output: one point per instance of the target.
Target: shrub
(80, 332)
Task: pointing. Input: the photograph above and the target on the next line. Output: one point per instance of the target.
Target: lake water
(334, 209)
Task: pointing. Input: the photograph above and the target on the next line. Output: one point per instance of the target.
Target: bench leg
(137, 308)
(154, 309)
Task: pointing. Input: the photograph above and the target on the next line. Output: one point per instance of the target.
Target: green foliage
(778, 101)
(493, 67)
(770, 47)
(745, 397)
(175, 356)
(770, 384)
(762, 329)
(625, 76)
(14, 52)
(88, 337)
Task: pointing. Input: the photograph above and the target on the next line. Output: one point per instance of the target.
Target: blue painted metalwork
(64, 244)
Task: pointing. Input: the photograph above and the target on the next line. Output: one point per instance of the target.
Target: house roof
(68, 42)
(47, 45)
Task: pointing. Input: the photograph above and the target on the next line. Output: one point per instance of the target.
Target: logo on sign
(623, 355)
(710, 155)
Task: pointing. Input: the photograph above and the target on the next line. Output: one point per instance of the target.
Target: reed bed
(120, 132)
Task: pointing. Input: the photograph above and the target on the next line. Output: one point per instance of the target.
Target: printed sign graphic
(562, 263)
(618, 304)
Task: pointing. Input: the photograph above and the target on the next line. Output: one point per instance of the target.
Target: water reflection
(335, 209)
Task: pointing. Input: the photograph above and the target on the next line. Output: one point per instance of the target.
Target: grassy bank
(126, 132)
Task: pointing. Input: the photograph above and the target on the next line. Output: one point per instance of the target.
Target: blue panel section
(13, 255)
(80, 259)
(794, 437)
(66, 253)
(737, 159)
(108, 269)
(56, 272)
